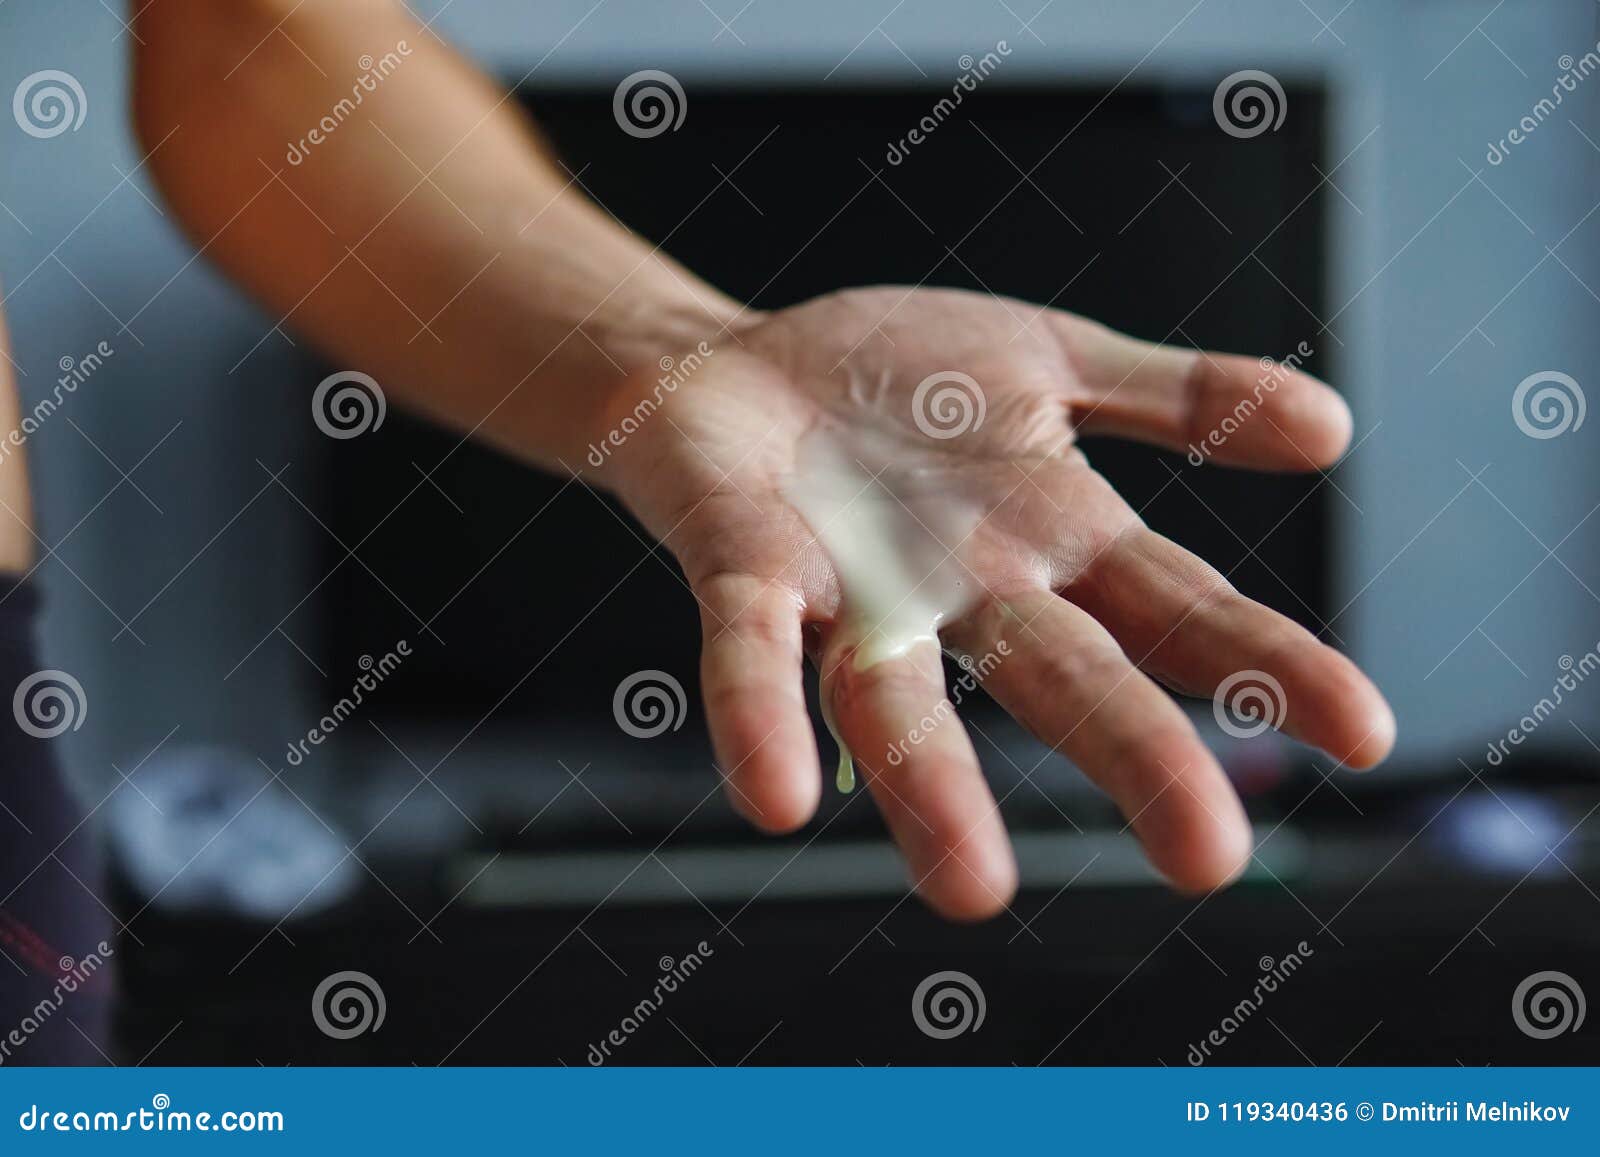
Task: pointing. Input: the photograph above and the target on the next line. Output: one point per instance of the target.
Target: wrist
(658, 347)
(637, 329)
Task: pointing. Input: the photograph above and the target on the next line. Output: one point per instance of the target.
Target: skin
(16, 503)
(545, 324)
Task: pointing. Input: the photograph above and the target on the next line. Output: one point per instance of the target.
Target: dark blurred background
(515, 870)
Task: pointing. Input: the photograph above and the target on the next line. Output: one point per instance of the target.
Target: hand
(1067, 576)
(1092, 608)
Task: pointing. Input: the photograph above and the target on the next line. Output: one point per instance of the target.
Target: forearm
(16, 505)
(421, 234)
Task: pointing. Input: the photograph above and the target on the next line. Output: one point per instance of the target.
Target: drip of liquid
(894, 535)
(844, 778)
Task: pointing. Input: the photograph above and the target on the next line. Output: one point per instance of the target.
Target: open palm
(1090, 608)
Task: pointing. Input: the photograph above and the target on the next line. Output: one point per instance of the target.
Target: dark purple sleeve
(56, 945)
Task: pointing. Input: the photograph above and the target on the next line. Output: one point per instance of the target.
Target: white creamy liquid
(895, 537)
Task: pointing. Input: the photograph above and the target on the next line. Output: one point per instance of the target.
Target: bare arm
(16, 504)
(397, 208)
